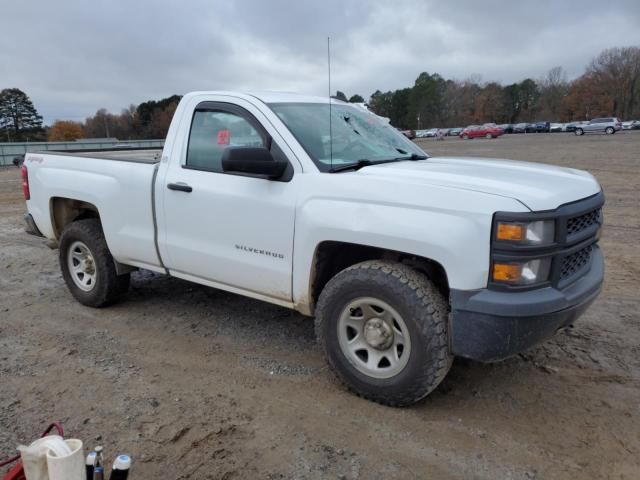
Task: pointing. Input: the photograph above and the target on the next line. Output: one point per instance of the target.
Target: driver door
(232, 231)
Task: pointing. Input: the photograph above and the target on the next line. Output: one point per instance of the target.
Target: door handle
(180, 187)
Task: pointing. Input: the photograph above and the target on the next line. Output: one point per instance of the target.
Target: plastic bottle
(98, 473)
(121, 466)
(90, 463)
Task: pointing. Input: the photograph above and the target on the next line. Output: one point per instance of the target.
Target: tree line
(20, 121)
(610, 86)
(149, 120)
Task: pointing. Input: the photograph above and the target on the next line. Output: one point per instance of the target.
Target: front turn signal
(511, 232)
(506, 272)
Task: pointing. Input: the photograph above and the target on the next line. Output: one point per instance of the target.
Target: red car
(475, 131)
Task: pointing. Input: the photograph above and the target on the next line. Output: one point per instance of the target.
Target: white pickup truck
(404, 260)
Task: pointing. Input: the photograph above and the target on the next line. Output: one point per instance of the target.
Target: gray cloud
(75, 56)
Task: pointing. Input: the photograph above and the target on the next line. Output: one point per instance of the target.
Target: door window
(214, 130)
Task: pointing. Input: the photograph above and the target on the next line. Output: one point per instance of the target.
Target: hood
(536, 185)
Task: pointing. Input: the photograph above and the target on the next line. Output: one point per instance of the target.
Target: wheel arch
(66, 210)
(331, 257)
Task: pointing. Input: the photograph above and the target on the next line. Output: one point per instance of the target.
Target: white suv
(608, 125)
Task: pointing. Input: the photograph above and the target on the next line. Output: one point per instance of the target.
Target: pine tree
(19, 119)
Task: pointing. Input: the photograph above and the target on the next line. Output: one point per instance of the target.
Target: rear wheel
(609, 131)
(488, 135)
(87, 265)
(383, 329)
(579, 131)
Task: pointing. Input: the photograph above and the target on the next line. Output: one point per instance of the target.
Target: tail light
(25, 182)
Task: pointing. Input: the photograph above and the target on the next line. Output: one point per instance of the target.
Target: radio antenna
(329, 72)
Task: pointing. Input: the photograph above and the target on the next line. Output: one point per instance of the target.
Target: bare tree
(553, 88)
(618, 71)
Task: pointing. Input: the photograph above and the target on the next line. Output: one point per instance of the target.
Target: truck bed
(138, 155)
(118, 183)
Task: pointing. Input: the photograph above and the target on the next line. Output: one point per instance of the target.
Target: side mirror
(252, 161)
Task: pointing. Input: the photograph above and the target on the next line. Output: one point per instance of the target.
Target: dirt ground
(198, 383)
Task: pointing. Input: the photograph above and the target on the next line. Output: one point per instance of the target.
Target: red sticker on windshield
(224, 136)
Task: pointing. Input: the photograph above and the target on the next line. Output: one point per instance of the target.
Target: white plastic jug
(34, 456)
(52, 458)
(67, 466)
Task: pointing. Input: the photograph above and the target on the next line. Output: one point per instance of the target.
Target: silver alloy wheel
(374, 338)
(488, 135)
(82, 266)
(609, 130)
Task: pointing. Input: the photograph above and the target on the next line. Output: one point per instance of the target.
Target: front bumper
(488, 325)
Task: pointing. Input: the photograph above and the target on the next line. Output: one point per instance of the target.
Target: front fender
(458, 239)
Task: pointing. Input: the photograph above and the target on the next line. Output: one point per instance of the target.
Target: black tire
(424, 311)
(578, 131)
(108, 285)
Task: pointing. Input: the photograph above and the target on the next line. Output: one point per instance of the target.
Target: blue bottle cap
(122, 462)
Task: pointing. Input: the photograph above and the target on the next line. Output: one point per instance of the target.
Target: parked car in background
(543, 127)
(454, 132)
(477, 131)
(520, 128)
(531, 128)
(432, 132)
(410, 134)
(608, 125)
(556, 127)
(631, 125)
(506, 127)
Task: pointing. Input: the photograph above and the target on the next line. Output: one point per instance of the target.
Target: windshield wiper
(366, 163)
(413, 156)
(352, 166)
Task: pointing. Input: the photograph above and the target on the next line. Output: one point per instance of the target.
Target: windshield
(356, 134)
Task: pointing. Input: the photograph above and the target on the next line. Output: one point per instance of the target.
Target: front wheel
(488, 136)
(579, 131)
(87, 265)
(609, 131)
(465, 137)
(383, 329)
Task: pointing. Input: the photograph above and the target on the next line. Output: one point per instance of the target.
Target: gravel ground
(199, 383)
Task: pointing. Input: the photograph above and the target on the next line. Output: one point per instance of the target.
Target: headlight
(539, 233)
(521, 273)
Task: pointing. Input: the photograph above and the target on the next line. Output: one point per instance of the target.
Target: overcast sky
(75, 56)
